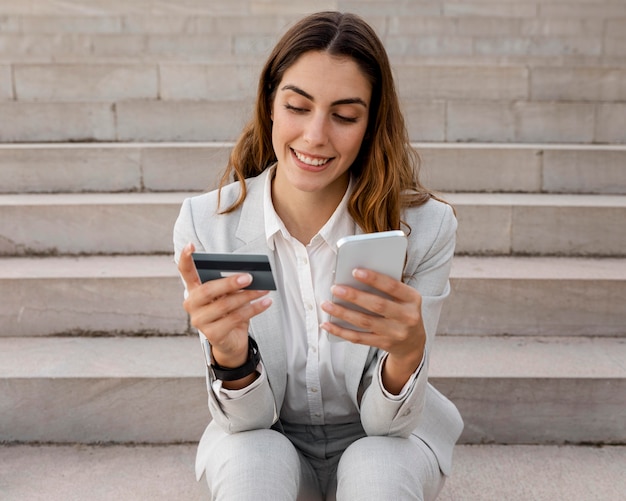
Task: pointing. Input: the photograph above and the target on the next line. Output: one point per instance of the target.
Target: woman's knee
(388, 468)
(255, 463)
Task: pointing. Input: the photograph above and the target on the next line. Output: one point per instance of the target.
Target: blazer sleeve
(428, 272)
(254, 409)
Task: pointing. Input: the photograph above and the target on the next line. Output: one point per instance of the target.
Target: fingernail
(338, 290)
(359, 273)
(244, 279)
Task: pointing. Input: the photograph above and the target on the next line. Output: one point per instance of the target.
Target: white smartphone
(384, 252)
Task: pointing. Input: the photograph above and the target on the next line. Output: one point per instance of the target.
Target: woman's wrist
(228, 361)
(397, 370)
(243, 369)
(235, 356)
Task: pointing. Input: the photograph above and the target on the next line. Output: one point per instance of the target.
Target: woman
(295, 416)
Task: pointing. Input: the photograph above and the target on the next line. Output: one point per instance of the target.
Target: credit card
(212, 266)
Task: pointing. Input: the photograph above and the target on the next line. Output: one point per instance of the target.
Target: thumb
(187, 268)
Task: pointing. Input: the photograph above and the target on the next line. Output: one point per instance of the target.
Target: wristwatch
(226, 374)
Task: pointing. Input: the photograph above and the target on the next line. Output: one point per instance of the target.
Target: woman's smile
(311, 162)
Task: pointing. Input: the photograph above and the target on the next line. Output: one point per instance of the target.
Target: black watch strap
(254, 357)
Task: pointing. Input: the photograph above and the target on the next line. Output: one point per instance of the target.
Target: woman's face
(320, 113)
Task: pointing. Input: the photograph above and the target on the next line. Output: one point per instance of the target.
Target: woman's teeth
(316, 162)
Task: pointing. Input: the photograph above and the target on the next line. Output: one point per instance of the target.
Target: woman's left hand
(395, 325)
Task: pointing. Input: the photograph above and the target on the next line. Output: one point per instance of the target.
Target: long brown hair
(386, 168)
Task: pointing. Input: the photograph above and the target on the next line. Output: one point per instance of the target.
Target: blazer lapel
(355, 361)
(263, 327)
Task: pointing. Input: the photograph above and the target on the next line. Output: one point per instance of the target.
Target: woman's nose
(315, 132)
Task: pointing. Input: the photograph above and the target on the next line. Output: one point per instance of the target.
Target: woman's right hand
(221, 310)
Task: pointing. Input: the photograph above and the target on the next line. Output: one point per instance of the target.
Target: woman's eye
(295, 109)
(345, 119)
(340, 118)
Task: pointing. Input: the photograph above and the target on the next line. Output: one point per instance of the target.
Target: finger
(206, 308)
(383, 333)
(218, 330)
(365, 321)
(375, 303)
(385, 283)
(187, 268)
(212, 289)
(357, 337)
(406, 313)
(244, 313)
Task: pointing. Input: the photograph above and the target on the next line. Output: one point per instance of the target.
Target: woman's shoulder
(431, 231)
(202, 219)
(207, 203)
(432, 214)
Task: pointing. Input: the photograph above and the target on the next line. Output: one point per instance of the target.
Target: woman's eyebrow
(349, 100)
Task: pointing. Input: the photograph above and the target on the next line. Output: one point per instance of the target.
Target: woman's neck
(305, 213)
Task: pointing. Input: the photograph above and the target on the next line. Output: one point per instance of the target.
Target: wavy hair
(386, 168)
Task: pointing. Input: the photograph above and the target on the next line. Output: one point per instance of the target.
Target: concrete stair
(147, 167)
(508, 110)
(488, 472)
(112, 112)
(545, 224)
(141, 295)
(505, 387)
(523, 72)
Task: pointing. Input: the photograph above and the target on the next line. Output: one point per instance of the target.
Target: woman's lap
(266, 465)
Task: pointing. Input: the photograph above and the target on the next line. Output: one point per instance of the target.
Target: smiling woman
(294, 415)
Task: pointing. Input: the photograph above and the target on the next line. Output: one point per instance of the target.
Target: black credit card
(212, 266)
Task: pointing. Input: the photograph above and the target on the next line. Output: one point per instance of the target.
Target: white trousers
(316, 463)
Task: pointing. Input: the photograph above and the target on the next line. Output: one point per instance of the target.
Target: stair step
(503, 224)
(198, 46)
(535, 296)
(137, 120)
(530, 20)
(530, 168)
(541, 473)
(111, 167)
(540, 224)
(163, 473)
(118, 389)
(127, 223)
(509, 390)
(100, 473)
(534, 390)
(475, 167)
(34, 52)
(142, 295)
(95, 295)
(108, 82)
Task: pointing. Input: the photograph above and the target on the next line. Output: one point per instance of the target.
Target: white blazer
(424, 412)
